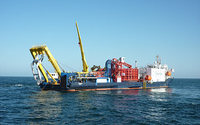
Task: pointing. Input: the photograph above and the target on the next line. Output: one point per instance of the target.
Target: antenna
(158, 59)
(135, 63)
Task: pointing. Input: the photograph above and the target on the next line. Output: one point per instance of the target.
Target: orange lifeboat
(168, 73)
(148, 77)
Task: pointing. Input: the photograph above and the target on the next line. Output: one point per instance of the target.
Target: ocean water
(22, 102)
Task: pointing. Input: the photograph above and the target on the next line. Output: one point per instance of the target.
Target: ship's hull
(91, 86)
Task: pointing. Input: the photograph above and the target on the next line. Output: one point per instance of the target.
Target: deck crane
(85, 66)
(37, 51)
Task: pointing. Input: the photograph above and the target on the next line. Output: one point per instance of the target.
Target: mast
(85, 66)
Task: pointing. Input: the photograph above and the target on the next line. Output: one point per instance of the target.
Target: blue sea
(23, 102)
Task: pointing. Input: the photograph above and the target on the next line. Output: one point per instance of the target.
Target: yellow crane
(85, 66)
(41, 50)
(37, 51)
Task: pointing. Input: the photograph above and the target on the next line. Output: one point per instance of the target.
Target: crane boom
(85, 66)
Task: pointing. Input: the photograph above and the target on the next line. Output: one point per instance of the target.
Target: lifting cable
(60, 66)
(69, 67)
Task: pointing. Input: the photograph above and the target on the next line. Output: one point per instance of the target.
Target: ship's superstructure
(117, 74)
(156, 72)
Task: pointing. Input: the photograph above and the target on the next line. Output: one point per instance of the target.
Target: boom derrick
(41, 50)
(85, 66)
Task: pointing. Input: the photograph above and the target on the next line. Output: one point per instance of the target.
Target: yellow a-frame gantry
(40, 50)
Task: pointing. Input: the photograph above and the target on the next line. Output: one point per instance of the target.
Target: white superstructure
(155, 72)
(157, 75)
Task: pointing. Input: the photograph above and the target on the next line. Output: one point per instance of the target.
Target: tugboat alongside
(117, 74)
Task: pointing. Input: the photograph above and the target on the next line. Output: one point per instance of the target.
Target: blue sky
(135, 29)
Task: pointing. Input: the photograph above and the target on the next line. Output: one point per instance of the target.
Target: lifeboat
(148, 77)
(168, 73)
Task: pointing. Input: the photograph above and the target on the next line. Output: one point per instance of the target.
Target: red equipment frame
(127, 74)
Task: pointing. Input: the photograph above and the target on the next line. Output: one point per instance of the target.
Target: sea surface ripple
(23, 102)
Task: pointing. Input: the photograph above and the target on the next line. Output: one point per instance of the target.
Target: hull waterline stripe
(105, 89)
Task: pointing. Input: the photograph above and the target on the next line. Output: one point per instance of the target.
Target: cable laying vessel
(116, 75)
